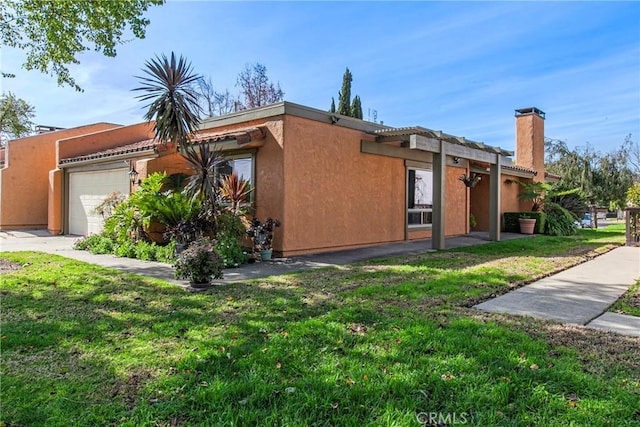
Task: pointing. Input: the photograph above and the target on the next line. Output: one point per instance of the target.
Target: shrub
(146, 251)
(560, 221)
(166, 253)
(199, 262)
(231, 251)
(126, 249)
(95, 243)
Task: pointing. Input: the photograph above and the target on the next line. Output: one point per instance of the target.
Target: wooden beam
(419, 142)
(495, 185)
(392, 151)
(439, 190)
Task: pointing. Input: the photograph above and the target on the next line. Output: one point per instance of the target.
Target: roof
(241, 136)
(520, 169)
(136, 147)
(403, 133)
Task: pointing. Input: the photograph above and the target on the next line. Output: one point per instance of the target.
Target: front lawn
(392, 343)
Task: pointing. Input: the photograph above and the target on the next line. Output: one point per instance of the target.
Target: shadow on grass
(99, 347)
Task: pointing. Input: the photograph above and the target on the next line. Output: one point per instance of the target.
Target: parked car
(585, 222)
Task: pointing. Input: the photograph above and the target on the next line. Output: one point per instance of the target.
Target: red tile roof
(136, 147)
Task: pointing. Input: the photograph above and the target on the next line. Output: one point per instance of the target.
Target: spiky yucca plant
(169, 87)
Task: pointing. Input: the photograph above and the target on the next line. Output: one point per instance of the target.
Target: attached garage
(86, 191)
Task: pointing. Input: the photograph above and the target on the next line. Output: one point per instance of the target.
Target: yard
(392, 342)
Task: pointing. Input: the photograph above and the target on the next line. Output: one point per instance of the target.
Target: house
(334, 182)
(24, 176)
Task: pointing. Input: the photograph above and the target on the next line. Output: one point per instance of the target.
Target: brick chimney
(530, 140)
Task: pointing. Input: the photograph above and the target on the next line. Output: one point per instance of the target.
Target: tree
(53, 33)
(356, 108)
(215, 103)
(255, 88)
(344, 96)
(169, 86)
(332, 109)
(632, 148)
(15, 117)
(602, 179)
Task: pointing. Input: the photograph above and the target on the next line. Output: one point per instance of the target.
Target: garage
(86, 191)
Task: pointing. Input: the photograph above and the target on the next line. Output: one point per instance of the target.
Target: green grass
(387, 343)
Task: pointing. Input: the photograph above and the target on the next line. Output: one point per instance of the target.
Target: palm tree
(169, 86)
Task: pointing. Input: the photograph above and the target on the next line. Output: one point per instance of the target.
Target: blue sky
(460, 67)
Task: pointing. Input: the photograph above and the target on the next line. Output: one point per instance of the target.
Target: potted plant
(470, 181)
(472, 222)
(261, 234)
(527, 224)
(199, 263)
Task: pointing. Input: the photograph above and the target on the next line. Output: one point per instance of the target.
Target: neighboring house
(24, 176)
(334, 182)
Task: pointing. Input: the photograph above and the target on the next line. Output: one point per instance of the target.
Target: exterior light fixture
(456, 160)
(133, 176)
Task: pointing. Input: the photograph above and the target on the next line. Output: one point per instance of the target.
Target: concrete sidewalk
(580, 294)
(41, 240)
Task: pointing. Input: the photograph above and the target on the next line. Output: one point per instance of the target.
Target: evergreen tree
(356, 108)
(333, 105)
(344, 99)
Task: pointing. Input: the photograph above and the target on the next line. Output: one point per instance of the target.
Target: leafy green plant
(230, 250)
(199, 262)
(94, 243)
(125, 249)
(146, 251)
(166, 207)
(534, 192)
(633, 195)
(166, 253)
(559, 221)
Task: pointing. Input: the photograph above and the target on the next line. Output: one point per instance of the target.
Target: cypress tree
(356, 108)
(333, 105)
(344, 100)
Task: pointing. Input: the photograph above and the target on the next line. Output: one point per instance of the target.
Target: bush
(199, 262)
(126, 249)
(146, 251)
(166, 253)
(560, 221)
(231, 251)
(95, 243)
(512, 225)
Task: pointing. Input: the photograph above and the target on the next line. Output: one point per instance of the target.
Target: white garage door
(86, 191)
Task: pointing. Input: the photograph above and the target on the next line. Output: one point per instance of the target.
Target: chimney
(530, 140)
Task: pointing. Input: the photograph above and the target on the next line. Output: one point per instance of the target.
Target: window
(240, 164)
(419, 198)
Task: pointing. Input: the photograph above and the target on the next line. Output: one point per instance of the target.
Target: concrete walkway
(41, 240)
(580, 294)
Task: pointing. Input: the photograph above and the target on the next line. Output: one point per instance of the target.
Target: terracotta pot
(527, 225)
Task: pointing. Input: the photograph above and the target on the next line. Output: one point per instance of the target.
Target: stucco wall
(334, 195)
(24, 182)
(456, 203)
(530, 143)
(89, 143)
(508, 199)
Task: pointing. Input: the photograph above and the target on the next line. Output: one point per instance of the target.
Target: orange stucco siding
(456, 203)
(24, 180)
(530, 143)
(334, 195)
(89, 143)
(508, 199)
